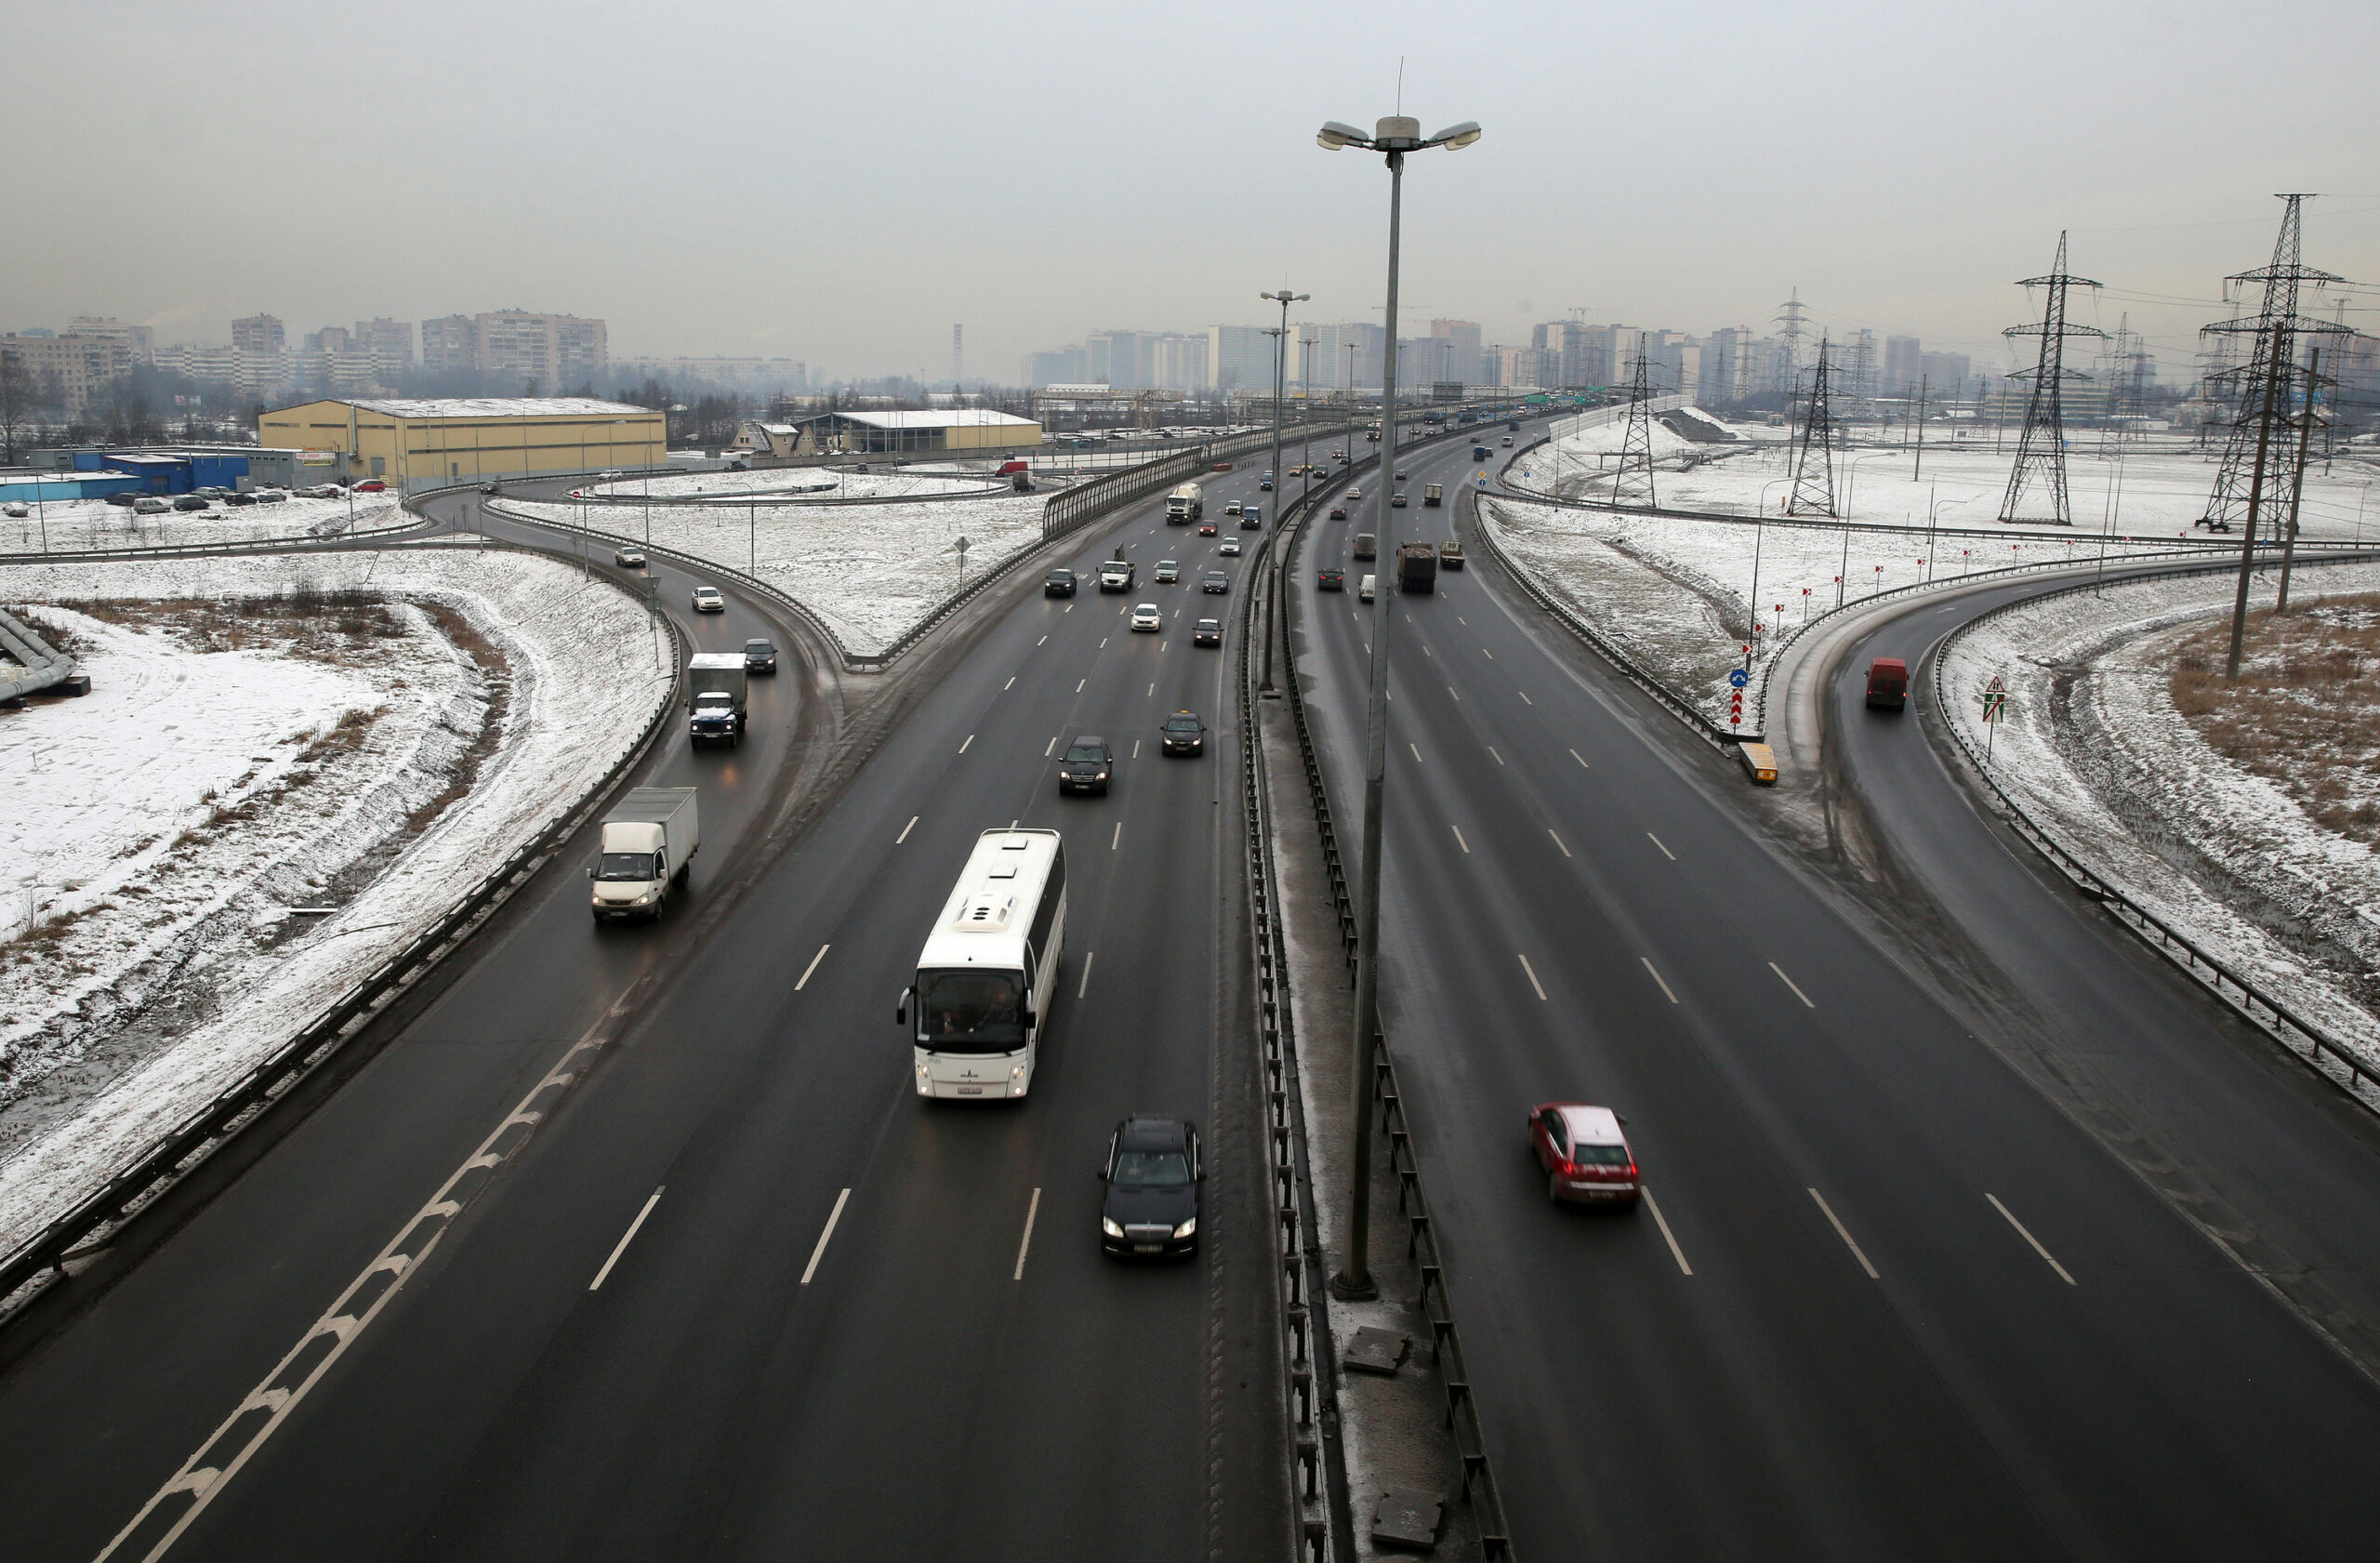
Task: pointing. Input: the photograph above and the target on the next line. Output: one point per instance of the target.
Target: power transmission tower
(1813, 491)
(1789, 368)
(2041, 449)
(1633, 483)
(2263, 383)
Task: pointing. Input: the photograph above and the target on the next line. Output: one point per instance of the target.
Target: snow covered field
(870, 571)
(2095, 750)
(88, 526)
(1676, 592)
(370, 742)
(809, 482)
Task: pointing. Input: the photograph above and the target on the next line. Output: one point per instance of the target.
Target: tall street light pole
(1392, 137)
(1280, 391)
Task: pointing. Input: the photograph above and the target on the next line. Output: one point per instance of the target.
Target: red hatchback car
(1206, 529)
(1584, 1156)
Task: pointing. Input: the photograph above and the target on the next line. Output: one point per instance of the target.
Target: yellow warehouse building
(420, 444)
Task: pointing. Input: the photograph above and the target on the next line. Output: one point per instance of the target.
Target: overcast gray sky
(841, 183)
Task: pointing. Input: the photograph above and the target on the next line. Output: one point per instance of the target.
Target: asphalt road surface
(832, 1320)
(1918, 1275)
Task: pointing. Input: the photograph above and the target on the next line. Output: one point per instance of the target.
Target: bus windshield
(971, 1010)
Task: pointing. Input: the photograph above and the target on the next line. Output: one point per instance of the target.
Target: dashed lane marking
(1842, 1232)
(1667, 1236)
(625, 1237)
(904, 830)
(1656, 977)
(1557, 841)
(1089, 956)
(1026, 1247)
(2019, 1226)
(820, 1252)
(1532, 977)
(1656, 841)
(970, 738)
(1791, 983)
(806, 970)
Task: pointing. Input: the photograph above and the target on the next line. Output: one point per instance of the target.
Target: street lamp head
(1456, 138)
(1335, 135)
(1399, 133)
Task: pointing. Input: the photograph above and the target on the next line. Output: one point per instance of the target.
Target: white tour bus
(989, 971)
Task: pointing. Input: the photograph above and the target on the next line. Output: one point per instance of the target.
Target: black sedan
(1061, 583)
(1330, 580)
(1206, 632)
(1088, 766)
(1215, 581)
(1185, 733)
(1152, 1174)
(759, 656)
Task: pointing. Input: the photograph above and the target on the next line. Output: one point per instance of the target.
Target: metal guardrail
(1299, 1253)
(2304, 1040)
(193, 550)
(179, 1153)
(40, 664)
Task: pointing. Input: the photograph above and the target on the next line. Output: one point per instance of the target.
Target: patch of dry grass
(2305, 711)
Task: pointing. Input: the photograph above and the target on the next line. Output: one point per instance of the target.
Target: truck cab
(1116, 574)
(717, 687)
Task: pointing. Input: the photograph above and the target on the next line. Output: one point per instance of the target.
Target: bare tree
(16, 404)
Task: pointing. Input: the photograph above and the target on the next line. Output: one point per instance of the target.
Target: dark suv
(1185, 733)
(1088, 765)
(1153, 1174)
(1060, 584)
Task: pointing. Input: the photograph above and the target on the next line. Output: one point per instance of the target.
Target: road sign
(1739, 678)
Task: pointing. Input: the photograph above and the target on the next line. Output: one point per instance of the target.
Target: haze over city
(818, 184)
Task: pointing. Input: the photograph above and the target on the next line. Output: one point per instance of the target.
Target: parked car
(1153, 1175)
(190, 502)
(1168, 571)
(1088, 765)
(761, 656)
(371, 485)
(1185, 733)
(14, 512)
(271, 496)
(629, 559)
(1229, 548)
(149, 505)
(1216, 581)
(708, 600)
(1206, 632)
(236, 499)
(123, 498)
(1330, 580)
(1585, 1157)
(210, 491)
(1147, 620)
(1058, 583)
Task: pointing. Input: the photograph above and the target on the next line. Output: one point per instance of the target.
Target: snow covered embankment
(223, 773)
(2093, 750)
(95, 526)
(870, 572)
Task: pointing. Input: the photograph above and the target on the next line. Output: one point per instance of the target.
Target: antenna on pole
(2041, 449)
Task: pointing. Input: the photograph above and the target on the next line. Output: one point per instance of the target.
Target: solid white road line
(1656, 977)
(1011, 684)
(904, 830)
(1053, 749)
(1656, 841)
(1844, 1235)
(1026, 1247)
(1089, 956)
(820, 1252)
(1791, 983)
(1557, 841)
(1532, 978)
(2030, 1238)
(970, 738)
(812, 967)
(626, 1237)
(1582, 764)
(1117, 840)
(1458, 837)
(1670, 1237)
(1493, 755)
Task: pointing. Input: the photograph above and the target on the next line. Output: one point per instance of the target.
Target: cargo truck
(717, 685)
(1434, 494)
(648, 845)
(1185, 505)
(1417, 567)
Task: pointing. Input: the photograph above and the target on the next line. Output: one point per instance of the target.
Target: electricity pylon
(1813, 491)
(2041, 450)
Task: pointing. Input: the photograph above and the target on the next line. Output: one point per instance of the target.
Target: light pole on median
(1392, 137)
(1280, 391)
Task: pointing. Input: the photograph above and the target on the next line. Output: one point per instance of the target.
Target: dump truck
(1434, 494)
(1184, 504)
(648, 845)
(1417, 567)
(717, 687)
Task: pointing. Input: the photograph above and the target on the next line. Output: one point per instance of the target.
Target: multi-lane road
(1973, 1231)
(952, 1371)
(1918, 1276)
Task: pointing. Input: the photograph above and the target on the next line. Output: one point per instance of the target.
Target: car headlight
(648, 897)
(1187, 1227)
(1108, 1226)
(1015, 1073)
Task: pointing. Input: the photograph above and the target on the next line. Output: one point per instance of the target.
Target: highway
(831, 1319)
(1914, 1278)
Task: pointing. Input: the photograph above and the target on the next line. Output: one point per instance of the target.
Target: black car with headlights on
(1153, 1174)
(1185, 733)
(1215, 581)
(1060, 583)
(1088, 765)
(761, 656)
(1206, 632)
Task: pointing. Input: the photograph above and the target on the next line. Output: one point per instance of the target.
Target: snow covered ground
(85, 526)
(809, 482)
(239, 757)
(2094, 748)
(870, 571)
(1675, 593)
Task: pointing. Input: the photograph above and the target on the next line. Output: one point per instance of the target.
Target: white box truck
(648, 845)
(716, 686)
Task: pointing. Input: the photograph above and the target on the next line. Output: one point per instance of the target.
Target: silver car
(708, 600)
